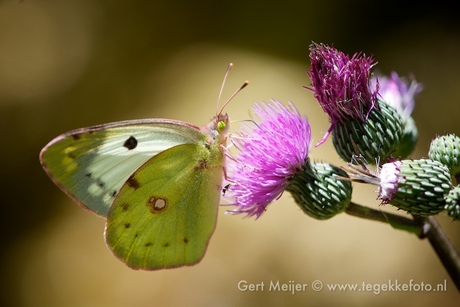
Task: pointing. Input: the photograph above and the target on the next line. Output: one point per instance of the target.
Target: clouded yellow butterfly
(156, 181)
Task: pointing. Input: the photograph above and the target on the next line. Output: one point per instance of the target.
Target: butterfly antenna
(234, 94)
(222, 88)
(230, 66)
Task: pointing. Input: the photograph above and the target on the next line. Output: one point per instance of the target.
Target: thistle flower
(359, 120)
(271, 153)
(399, 93)
(341, 84)
(417, 186)
(273, 157)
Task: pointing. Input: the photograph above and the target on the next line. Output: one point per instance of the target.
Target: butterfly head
(219, 125)
(217, 128)
(222, 124)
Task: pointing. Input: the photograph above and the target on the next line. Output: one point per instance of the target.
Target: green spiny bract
(453, 203)
(378, 137)
(319, 191)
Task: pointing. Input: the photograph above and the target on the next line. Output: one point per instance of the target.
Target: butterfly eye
(221, 125)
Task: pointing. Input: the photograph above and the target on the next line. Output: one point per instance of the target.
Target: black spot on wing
(127, 225)
(133, 183)
(185, 240)
(156, 205)
(166, 244)
(130, 143)
(148, 244)
(124, 207)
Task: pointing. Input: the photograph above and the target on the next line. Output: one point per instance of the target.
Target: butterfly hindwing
(165, 213)
(92, 164)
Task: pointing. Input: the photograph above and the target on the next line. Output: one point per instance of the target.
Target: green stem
(396, 221)
(422, 227)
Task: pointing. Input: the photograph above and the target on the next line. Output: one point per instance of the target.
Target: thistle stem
(422, 227)
(443, 247)
(396, 221)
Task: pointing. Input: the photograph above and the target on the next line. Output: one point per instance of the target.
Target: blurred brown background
(69, 64)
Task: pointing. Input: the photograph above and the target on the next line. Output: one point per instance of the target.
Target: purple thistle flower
(271, 153)
(397, 92)
(341, 84)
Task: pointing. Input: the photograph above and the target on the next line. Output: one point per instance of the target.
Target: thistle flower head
(271, 153)
(341, 84)
(397, 92)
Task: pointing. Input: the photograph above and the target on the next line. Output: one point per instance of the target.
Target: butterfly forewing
(91, 165)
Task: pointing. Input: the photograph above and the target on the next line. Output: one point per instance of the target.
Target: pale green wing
(166, 212)
(91, 164)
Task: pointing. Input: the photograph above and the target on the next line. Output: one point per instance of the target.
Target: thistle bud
(416, 186)
(446, 149)
(453, 203)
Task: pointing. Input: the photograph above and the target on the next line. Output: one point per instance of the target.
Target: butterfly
(156, 181)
